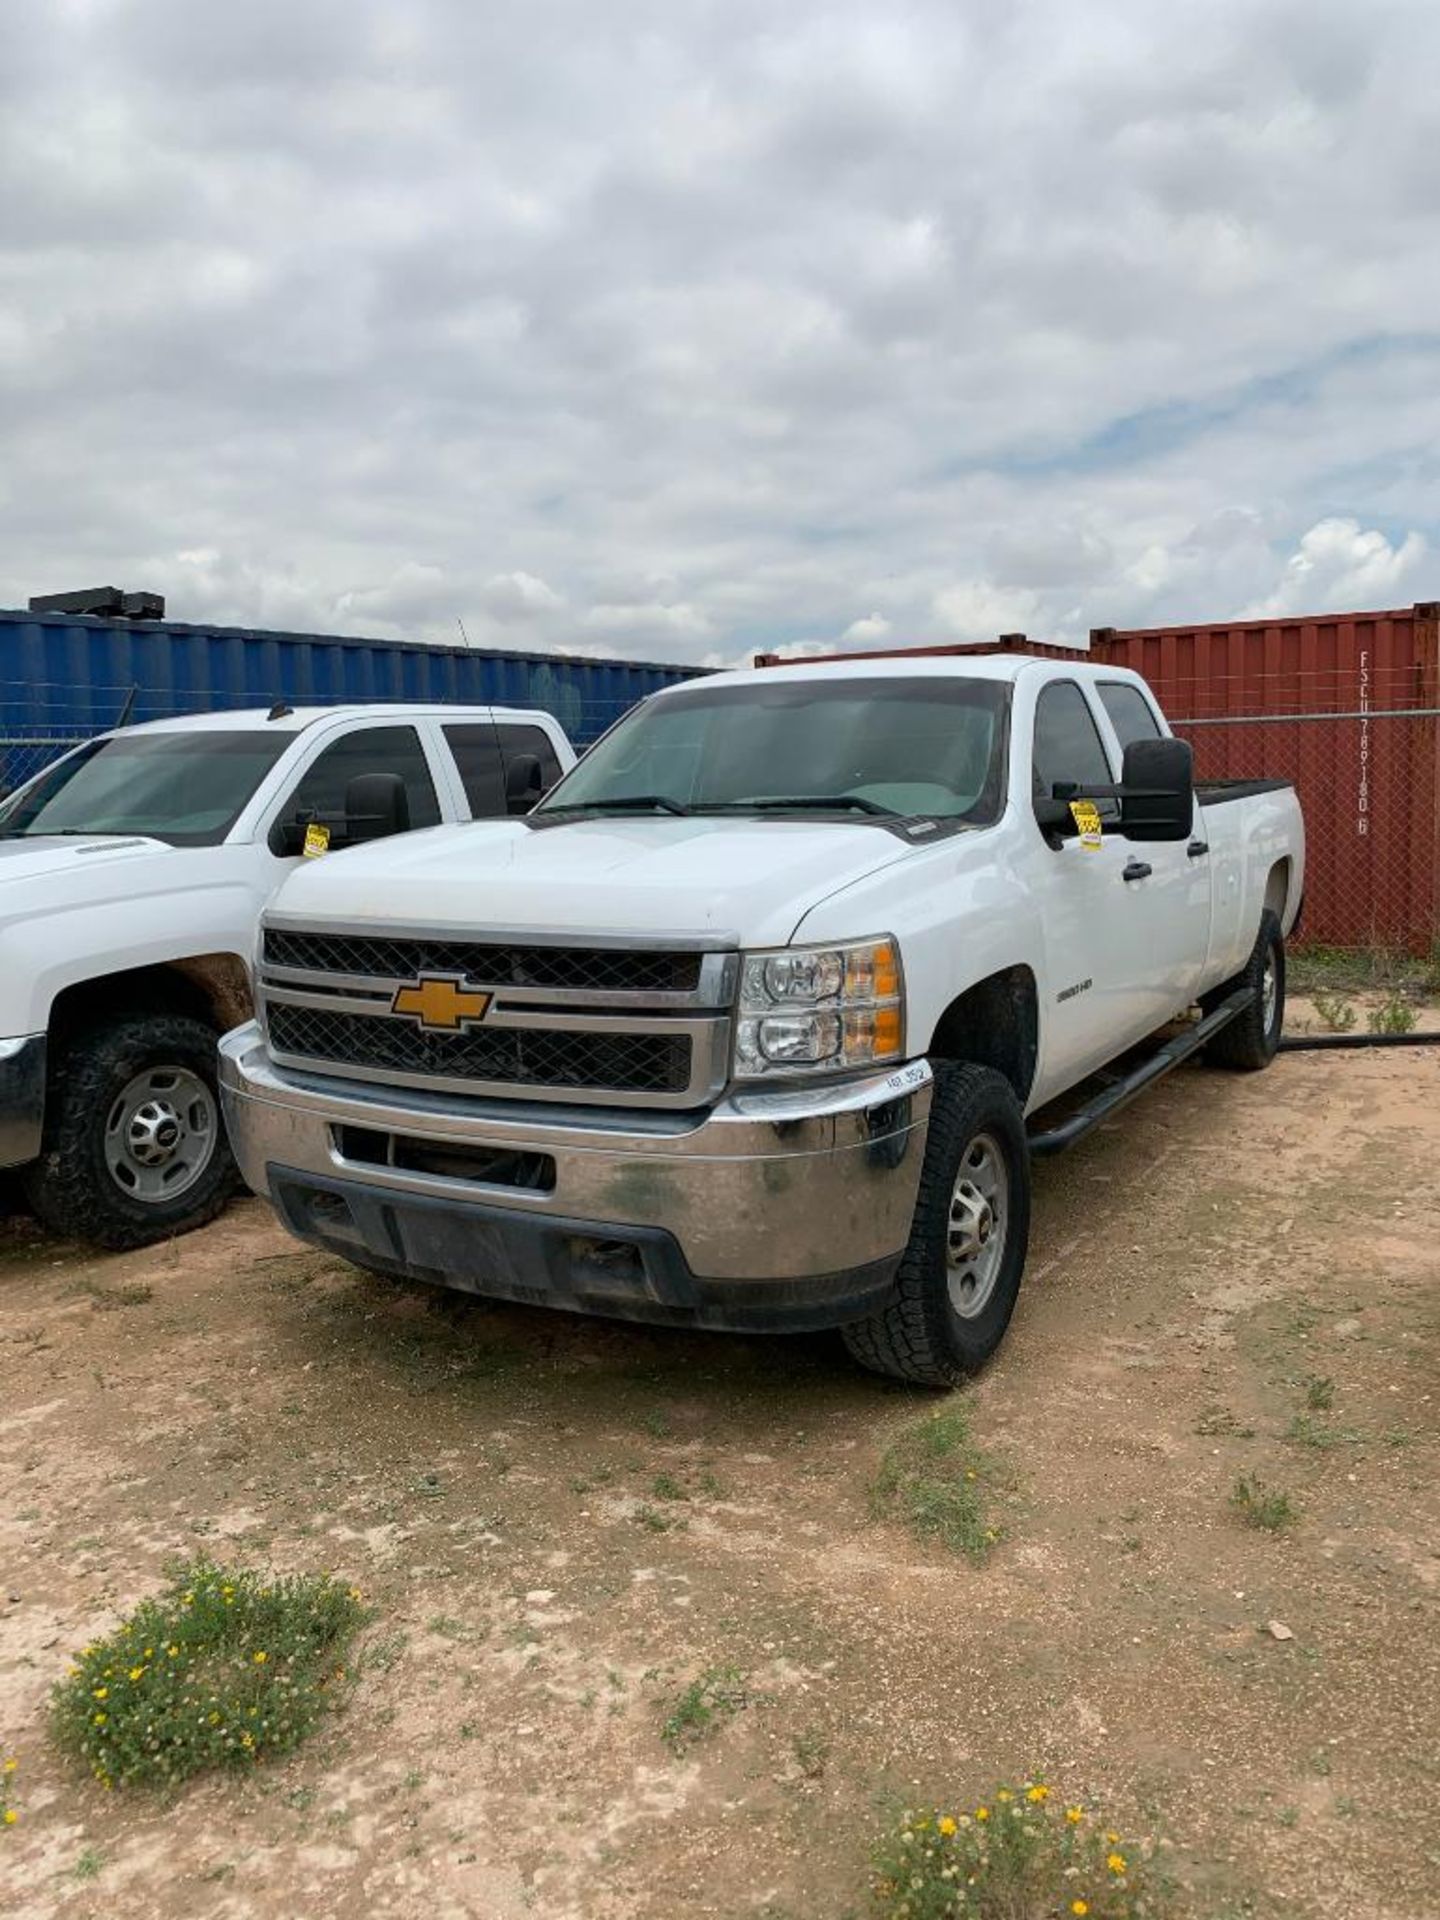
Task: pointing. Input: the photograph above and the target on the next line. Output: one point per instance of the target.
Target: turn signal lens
(820, 1009)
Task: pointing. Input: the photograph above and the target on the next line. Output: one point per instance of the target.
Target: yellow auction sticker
(317, 840)
(1086, 816)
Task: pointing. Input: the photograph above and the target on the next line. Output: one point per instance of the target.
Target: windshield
(857, 748)
(187, 788)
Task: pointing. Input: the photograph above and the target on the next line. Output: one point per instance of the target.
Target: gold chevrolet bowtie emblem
(440, 1003)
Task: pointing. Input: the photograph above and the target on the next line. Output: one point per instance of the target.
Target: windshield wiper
(624, 803)
(67, 833)
(810, 803)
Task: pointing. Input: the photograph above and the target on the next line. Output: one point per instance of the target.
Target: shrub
(936, 1480)
(221, 1670)
(1393, 1015)
(1335, 1010)
(715, 1696)
(1261, 1506)
(1016, 1856)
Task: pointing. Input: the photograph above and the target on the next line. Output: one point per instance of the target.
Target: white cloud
(869, 631)
(1338, 564)
(683, 331)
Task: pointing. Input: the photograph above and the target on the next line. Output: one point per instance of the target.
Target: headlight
(820, 1010)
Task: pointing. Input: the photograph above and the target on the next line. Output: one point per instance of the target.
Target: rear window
(1130, 712)
(483, 752)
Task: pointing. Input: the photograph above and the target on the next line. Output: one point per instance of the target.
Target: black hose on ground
(1314, 1042)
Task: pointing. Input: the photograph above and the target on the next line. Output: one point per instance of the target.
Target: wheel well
(213, 987)
(995, 1023)
(1277, 888)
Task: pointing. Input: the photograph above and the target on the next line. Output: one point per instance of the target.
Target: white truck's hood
(747, 882)
(27, 859)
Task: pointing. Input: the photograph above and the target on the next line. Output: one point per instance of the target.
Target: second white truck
(132, 874)
(757, 1020)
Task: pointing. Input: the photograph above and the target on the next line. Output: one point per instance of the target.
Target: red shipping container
(1345, 705)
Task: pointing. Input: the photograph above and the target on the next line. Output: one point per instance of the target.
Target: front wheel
(1252, 1038)
(960, 1274)
(134, 1149)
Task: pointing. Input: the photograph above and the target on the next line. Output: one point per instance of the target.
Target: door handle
(1136, 870)
(1197, 849)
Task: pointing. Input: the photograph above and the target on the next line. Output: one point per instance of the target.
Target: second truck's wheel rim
(1269, 991)
(976, 1231)
(160, 1134)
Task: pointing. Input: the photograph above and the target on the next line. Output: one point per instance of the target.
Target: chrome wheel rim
(160, 1134)
(1269, 991)
(978, 1226)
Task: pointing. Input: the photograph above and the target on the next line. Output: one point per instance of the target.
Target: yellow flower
(982, 1813)
(1113, 1838)
(1074, 1815)
(11, 1816)
(1004, 1794)
(260, 1659)
(1116, 1862)
(137, 1673)
(946, 1825)
(1037, 1793)
(247, 1739)
(1079, 1906)
(11, 1765)
(101, 1692)
(355, 1594)
(100, 1719)
(172, 1651)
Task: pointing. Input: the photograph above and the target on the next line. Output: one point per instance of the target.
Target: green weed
(1393, 1015)
(936, 1480)
(1016, 1855)
(1335, 1010)
(221, 1670)
(718, 1694)
(1260, 1506)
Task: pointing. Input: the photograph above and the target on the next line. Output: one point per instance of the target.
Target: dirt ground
(489, 1478)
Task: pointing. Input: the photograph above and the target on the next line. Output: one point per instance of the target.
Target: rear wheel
(960, 1274)
(1252, 1039)
(134, 1148)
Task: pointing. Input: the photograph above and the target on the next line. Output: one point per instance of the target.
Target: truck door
(1095, 938)
(1176, 894)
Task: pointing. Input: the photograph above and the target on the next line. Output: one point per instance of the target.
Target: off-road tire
(918, 1336)
(70, 1187)
(1250, 1042)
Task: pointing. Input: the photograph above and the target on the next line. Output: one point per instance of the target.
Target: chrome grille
(620, 1062)
(623, 1024)
(496, 964)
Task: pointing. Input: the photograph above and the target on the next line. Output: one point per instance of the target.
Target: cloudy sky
(670, 328)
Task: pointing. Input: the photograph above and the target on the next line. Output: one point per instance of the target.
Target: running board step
(1121, 1092)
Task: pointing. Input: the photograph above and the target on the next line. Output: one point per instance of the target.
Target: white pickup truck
(132, 874)
(742, 1026)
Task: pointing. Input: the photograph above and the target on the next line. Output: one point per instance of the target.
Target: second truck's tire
(134, 1147)
(960, 1274)
(1252, 1039)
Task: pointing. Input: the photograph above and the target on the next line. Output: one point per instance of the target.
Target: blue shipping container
(64, 677)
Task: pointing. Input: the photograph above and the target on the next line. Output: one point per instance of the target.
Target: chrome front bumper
(770, 1210)
(22, 1099)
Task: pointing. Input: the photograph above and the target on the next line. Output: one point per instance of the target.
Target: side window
(321, 788)
(1068, 744)
(1130, 712)
(534, 740)
(483, 752)
(477, 755)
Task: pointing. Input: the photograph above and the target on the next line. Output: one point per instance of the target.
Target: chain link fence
(1366, 956)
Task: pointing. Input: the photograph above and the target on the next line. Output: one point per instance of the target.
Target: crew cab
(756, 1020)
(132, 873)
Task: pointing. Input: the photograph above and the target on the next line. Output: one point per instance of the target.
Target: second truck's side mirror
(524, 783)
(376, 805)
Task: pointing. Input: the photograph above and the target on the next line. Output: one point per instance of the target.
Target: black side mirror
(524, 783)
(1157, 790)
(376, 805)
